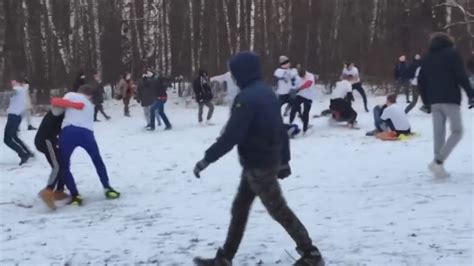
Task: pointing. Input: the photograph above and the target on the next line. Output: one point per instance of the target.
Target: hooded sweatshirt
(255, 124)
(442, 74)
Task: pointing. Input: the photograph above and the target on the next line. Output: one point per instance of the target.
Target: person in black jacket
(203, 92)
(46, 142)
(256, 127)
(146, 95)
(98, 97)
(402, 76)
(441, 76)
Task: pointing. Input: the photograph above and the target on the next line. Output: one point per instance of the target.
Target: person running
(351, 70)
(340, 104)
(414, 71)
(126, 89)
(256, 127)
(146, 95)
(305, 94)
(79, 81)
(402, 76)
(78, 131)
(98, 97)
(390, 120)
(203, 93)
(441, 76)
(286, 78)
(46, 142)
(17, 106)
(159, 104)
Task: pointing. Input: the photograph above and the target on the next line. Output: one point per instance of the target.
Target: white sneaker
(438, 170)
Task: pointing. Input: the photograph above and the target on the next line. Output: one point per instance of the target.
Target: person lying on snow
(341, 99)
(390, 120)
(46, 142)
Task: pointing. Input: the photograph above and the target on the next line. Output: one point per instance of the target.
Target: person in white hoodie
(78, 131)
(286, 79)
(305, 92)
(18, 105)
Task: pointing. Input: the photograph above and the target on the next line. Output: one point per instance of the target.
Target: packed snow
(364, 201)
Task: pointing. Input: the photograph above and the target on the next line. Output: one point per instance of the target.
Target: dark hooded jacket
(442, 74)
(255, 124)
(400, 71)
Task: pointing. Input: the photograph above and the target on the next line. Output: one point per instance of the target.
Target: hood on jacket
(440, 41)
(245, 67)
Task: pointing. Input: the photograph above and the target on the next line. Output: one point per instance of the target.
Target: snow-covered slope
(365, 202)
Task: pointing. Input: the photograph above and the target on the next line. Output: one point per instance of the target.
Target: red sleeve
(307, 84)
(63, 103)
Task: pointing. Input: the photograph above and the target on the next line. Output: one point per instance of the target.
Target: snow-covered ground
(364, 201)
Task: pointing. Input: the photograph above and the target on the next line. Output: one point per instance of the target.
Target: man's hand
(426, 109)
(285, 171)
(200, 166)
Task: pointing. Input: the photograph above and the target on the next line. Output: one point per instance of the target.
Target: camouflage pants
(262, 183)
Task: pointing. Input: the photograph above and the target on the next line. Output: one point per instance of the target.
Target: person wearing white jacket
(18, 105)
(286, 78)
(305, 90)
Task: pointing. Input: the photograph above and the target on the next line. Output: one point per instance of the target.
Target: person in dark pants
(203, 92)
(161, 98)
(351, 70)
(441, 78)
(340, 103)
(18, 105)
(414, 71)
(98, 97)
(256, 127)
(304, 85)
(46, 142)
(402, 77)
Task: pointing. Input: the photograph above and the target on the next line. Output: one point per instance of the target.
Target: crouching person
(390, 120)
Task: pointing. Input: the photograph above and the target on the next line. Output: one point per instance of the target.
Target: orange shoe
(47, 195)
(60, 195)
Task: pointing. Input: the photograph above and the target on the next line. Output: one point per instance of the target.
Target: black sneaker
(372, 133)
(310, 258)
(25, 158)
(168, 127)
(219, 260)
(30, 127)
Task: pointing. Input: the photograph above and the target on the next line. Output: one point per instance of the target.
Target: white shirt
(285, 77)
(18, 101)
(308, 93)
(80, 118)
(354, 72)
(397, 115)
(342, 88)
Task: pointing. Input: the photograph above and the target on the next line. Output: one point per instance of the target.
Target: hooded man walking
(440, 80)
(256, 127)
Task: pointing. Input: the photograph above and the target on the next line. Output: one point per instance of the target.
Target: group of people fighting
(255, 125)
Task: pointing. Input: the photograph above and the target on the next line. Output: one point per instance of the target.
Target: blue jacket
(255, 124)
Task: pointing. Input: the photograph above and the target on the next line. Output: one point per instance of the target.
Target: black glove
(426, 109)
(471, 103)
(200, 166)
(285, 171)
